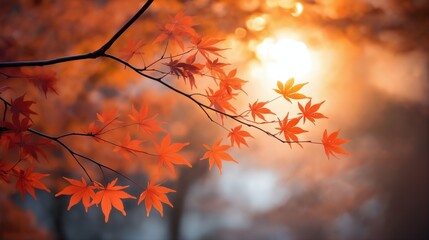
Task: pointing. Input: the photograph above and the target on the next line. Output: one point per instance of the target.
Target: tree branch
(98, 53)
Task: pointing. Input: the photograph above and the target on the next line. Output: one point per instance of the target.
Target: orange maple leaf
(332, 144)
(230, 82)
(80, 191)
(257, 109)
(216, 68)
(290, 130)
(132, 48)
(128, 146)
(28, 181)
(310, 111)
(220, 100)
(289, 91)
(94, 128)
(109, 116)
(205, 46)
(237, 136)
(155, 195)
(168, 154)
(216, 154)
(180, 26)
(111, 196)
(147, 124)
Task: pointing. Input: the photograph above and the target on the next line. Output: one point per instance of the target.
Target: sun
(284, 58)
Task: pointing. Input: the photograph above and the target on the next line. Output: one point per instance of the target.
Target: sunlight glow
(256, 23)
(284, 58)
(297, 9)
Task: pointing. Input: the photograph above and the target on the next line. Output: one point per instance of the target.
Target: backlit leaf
(111, 196)
(216, 154)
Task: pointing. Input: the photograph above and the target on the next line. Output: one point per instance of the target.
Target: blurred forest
(369, 62)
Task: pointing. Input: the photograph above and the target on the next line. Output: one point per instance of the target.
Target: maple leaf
(27, 181)
(332, 144)
(237, 136)
(94, 129)
(132, 48)
(168, 154)
(108, 117)
(310, 111)
(20, 106)
(186, 70)
(18, 126)
(290, 130)
(289, 91)
(195, 69)
(220, 100)
(79, 191)
(205, 46)
(44, 79)
(216, 68)
(181, 26)
(257, 109)
(155, 195)
(28, 146)
(128, 146)
(111, 196)
(147, 124)
(216, 154)
(230, 82)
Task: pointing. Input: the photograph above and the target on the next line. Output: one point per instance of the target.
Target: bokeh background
(368, 59)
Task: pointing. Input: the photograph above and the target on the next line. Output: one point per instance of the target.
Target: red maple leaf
(310, 111)
(216, 154)
(44, 79)
(18, 126)
(27, 181)
(155, 195)
(147, 124)
(331, 143)
(290, 130)
(238, 136)
(29, 147)
(257, 109)
(132, 48)
(79, 191)
(289, 90)
(128, 147)
(20, 106)
(168, 154)
(111, 196)
(186, 70)
(109, 116)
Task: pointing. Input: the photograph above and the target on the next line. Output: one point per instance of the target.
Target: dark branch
(98, 53)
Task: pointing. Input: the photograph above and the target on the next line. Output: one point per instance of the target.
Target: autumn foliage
(187, 56)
